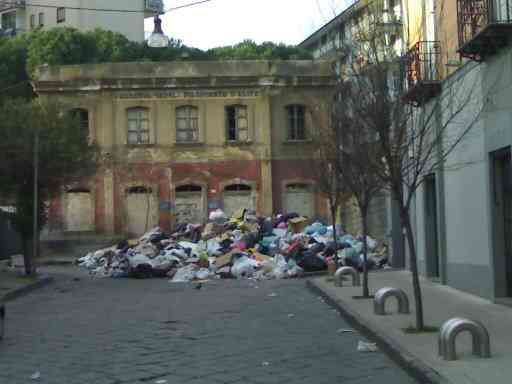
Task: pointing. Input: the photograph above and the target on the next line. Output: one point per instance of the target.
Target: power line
(112, 9)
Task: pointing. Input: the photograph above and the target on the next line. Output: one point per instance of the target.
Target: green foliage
(249, 50)
(64, 155)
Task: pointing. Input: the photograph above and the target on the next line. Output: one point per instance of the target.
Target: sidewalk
(419, 351)
(12, 285)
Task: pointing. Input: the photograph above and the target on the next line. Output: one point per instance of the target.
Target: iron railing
(474, 15)
(421, 63)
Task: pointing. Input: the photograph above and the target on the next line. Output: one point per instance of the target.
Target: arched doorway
(236, 197)
(299, 198)
(189, 204)
(141, 209)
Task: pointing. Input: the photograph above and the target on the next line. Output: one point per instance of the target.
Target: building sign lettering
(186, 94)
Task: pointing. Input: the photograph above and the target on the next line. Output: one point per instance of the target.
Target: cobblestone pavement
(150, 331)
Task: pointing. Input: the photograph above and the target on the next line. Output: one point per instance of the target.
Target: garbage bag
(202, 274)
(141, 271)
(185, 274)
(243, 267)
(312, 263)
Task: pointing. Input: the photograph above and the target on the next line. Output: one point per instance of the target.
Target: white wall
(129, 24)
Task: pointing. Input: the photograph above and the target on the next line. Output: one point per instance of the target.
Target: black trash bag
(317, 248)
(141, 271)
(250, 240)
(123, 245)
(312, 263)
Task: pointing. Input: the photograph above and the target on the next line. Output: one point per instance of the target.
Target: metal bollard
(453, 327)
(2, 321)
(338, 276)
(383, 294)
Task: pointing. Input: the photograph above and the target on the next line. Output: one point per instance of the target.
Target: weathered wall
(264, 163)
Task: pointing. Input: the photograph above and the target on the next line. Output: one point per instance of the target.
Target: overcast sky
(227, 22)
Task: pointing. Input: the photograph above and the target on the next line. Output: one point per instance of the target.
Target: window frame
(84, 118)
(293, 117)
(61, 14)
(141, 116)
(188, 123)
(241, 113)
(32, 21)
(41, 19)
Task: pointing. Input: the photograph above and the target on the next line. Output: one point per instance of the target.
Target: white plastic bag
(185, 274)
(243, 267)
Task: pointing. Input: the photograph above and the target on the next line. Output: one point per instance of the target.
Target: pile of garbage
(243, 246)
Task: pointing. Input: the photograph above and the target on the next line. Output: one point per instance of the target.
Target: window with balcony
(138, 126)
(237, 127)
(61, 15)
(422, 77)
(484, 27)
(187, 124)
(296, 129)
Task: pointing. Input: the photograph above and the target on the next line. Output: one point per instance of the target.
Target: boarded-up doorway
(236, 197)
(79, 211)
(299, 198)
(141, 209)
(189, 204)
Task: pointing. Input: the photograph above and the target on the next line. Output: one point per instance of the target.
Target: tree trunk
(333, 215)
(364, 219)
(418, 299)
(27, 255)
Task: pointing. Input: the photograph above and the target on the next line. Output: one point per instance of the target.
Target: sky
(227, 22)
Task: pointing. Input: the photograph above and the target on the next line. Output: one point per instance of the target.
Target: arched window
(187, 127)
(138, 125)
(237, 188)
(138, 189)
(82, 115)
(296, 122)
(236, 123)
(189, 188)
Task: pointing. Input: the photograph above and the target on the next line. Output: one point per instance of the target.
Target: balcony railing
(152, 7)
(422, 77)
(484, 27)
(11, 4)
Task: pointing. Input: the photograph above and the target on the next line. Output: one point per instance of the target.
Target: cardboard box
(298, 224)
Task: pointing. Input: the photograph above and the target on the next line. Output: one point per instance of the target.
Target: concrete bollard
(453, 327)
(379, 302)
(2, 321)
(338, 276)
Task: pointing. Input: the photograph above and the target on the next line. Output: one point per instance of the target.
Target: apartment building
(329, 43)
(186, 138)
(123, 16)
(463, 211)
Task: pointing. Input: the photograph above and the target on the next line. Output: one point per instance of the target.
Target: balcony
(484, 27)
(153, 7)
(422, 77)
(6, 5)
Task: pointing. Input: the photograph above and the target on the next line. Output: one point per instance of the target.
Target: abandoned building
(185, 138)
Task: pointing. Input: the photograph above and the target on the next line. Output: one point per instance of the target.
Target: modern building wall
(86, 15)
(140, 184)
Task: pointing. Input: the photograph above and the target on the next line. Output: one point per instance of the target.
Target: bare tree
(357, 148)
(411, 139)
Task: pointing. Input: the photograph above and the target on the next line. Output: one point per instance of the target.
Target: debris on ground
(363, 346)
(243, 246)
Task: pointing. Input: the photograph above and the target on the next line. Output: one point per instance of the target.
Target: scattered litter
(35, 376)
(160, 381)
(345, 330)
(272, 295)
(265, 364)
(363, 346)
(290, 315)
(243, 246)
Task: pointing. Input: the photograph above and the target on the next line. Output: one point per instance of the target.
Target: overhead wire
(114, 10)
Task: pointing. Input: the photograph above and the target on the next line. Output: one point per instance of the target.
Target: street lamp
(157, 38)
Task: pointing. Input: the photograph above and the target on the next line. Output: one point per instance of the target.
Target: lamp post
(157, 38)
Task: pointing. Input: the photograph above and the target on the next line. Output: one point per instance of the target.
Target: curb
(414, 366)
(56, 262)
(18, 292)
